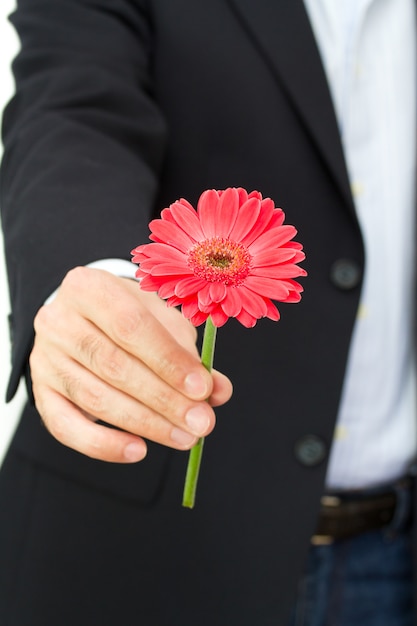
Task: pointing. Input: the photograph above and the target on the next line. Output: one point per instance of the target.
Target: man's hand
(105, 350)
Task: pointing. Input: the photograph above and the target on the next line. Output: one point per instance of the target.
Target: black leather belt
(345, 514)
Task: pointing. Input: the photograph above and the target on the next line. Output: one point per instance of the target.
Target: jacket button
(310, 450)
(345, 274)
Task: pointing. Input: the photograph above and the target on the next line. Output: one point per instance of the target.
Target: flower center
(220, 260)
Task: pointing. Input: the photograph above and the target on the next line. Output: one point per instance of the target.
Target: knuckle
(56, 427)
(129, 324)
(33, 361)
(106, 359)
(42, 318)
(190, 331)
(112, 367)
(70, 385)
(172, 367)
(127, 422)
(93, 398)
(187, 337)
(165, 403)
(89, 397)
(74, 277)
(38, 365)
(90, 346)
(143, 423)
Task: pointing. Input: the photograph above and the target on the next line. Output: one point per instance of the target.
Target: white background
(8, 412)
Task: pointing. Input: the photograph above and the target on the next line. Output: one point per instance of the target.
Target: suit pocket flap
(141, 481)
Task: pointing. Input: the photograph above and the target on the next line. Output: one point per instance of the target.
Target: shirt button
(310, 450)
(345, 274)
(357, 189)
(359, 70)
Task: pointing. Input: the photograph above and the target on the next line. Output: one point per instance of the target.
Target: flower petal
(187, 220)
(252, 302)
(207, 212)
(204, 299)
(273, 257)
(169, 233)
(243, 195)
(167, 288)
(174, 301)
(162, 252)
(149, 283)
(288, 270)
(265, 215)
(189, 286)
(227, 212)
(139, 249)
(292, 285)
(272, 311)
(217, 292)
(186, 203)
(247, 217)
(277, 272)
(268, 287)
(273, 238)
(299, 256)
(277, 219)
(190, 307)
(218, 316)
(293, 244)
(199, 318)
(246, 319)
(165, 269)
(232, 304)
(293, 296)
(167, 215)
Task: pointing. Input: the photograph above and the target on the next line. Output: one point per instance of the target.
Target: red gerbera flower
(230, 258)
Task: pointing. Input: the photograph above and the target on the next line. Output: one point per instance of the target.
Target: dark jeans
(366, 580)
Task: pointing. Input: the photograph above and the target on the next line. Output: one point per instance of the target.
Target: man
(121, 108)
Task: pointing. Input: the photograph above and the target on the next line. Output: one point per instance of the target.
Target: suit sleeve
(84, 143)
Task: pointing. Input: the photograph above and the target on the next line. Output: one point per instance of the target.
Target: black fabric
(122, 106)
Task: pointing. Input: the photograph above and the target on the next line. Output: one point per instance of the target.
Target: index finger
(120, 313)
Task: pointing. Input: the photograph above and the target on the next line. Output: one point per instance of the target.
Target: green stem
(196, 453)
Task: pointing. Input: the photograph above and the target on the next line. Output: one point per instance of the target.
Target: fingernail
(134, 452)
(198, 420)
(196, 385)
(182, 438)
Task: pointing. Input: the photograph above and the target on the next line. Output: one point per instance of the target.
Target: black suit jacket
(122, 106)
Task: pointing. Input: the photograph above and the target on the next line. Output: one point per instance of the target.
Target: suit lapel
(281, 31)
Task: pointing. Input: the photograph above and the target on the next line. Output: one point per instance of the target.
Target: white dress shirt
(368, 48)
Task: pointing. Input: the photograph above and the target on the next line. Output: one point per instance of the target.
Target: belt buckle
(321, 540)
(325, 540)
